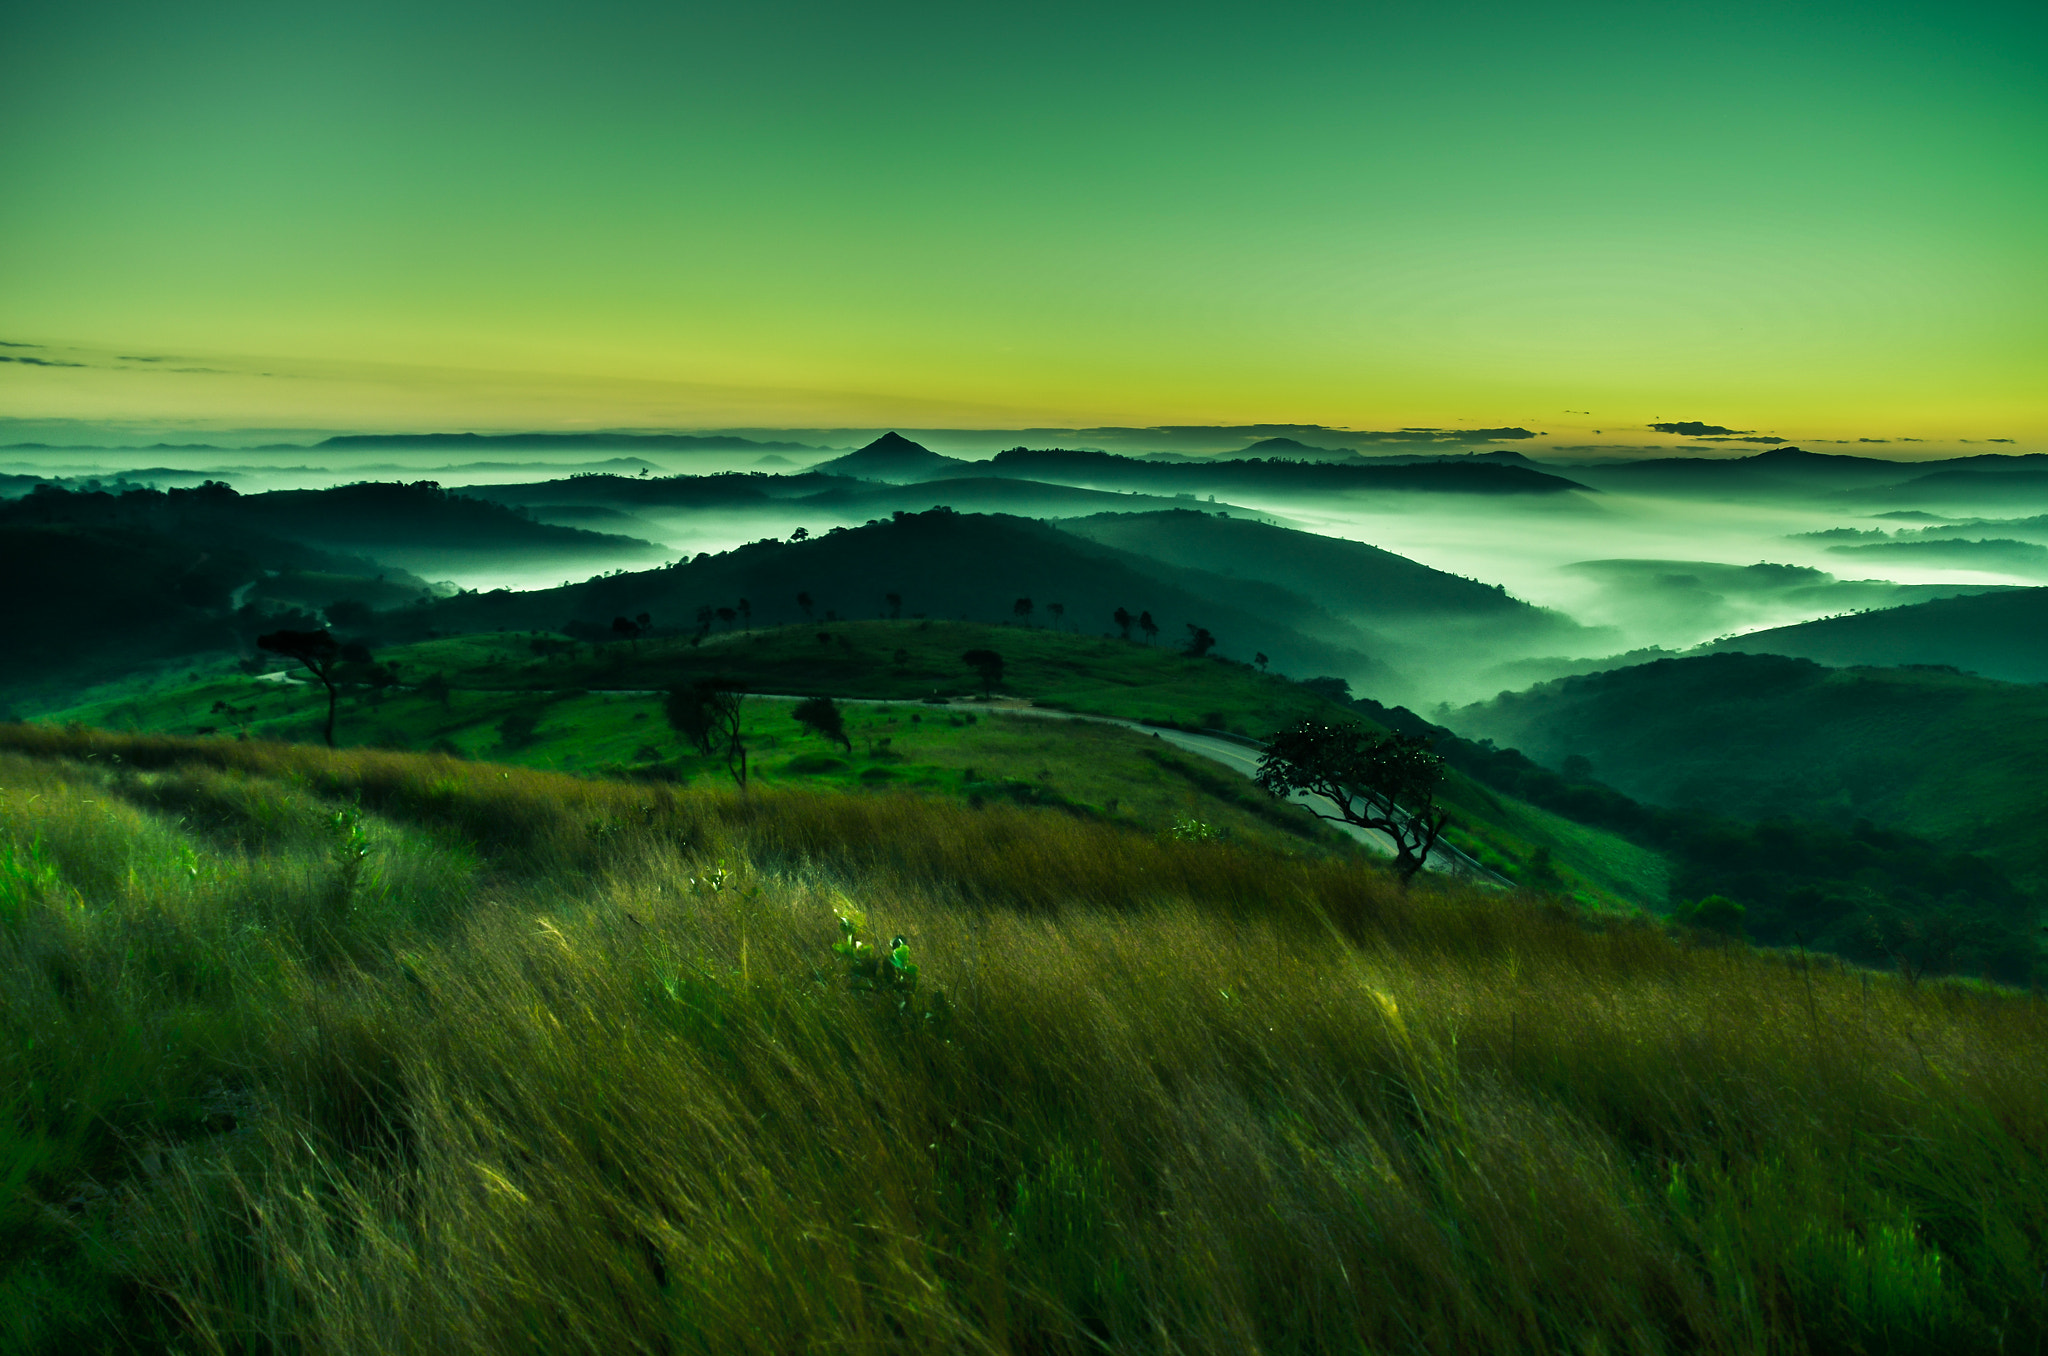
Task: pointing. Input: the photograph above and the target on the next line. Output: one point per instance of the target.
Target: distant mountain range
(674, 442)
(893, 457)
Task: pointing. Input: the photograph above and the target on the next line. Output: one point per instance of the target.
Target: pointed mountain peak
(893, 441)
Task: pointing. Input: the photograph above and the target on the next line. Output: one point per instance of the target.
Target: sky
(1815, 221)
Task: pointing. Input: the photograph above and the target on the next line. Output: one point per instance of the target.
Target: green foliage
(586, 1094)
(987, 665)
(1715, 913)
(823, 718)
(1372, 779)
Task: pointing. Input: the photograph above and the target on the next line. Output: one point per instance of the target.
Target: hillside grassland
(595, 710)
(382, 1052)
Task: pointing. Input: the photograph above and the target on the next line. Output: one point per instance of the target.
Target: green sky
(1810, 219)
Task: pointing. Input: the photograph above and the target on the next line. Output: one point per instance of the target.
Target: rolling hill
(944, 565)
(1753, 736)
(2001, 635)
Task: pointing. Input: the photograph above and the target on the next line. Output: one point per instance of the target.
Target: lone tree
(706, 714)
(319, 651)
(1124, 621)
(823, 718)
(1200, 642)
(804, 601)
(894, 602)
(988, 664)
(1023, 607)
(1059, 614)
(628, 629)
(1376, 781)
(1148, 626)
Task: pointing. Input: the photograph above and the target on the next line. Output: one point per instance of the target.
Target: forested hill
(1104, 470)
(388, 519)
(1753, 736)
(1996, 635)
(1346, 576)
(951, 565)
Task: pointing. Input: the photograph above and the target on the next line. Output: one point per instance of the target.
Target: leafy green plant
(886, 971)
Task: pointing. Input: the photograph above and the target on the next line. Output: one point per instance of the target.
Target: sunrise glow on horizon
(1820, 222)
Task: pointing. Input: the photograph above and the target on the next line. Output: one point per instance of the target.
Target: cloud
(131, 358)
(34, 362)
(1998, 440)
(1693, 428)
(1873, 440)
(1754, 438)
(5, 344)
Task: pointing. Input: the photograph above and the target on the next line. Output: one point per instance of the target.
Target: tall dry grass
(569, 1066)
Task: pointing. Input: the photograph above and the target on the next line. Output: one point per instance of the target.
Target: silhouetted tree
(747, 611)
(1260, 660)
(988, 664)
(823, 718)
(627, 630)
(728, 616)
(434, 687)
(1023, 607)
(801, 534)
(894, 602)
(706, 714)
(318, 651)
(804, 601)
(1148, 626)
(1124, 621)
(1059, 613)
(1376, 781)
(1200, 642)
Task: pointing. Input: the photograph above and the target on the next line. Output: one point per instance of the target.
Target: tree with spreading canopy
(319, 651)
(706, 714)
(823, 718)
(1200, 642)
(1124, 621)
(1371, 779)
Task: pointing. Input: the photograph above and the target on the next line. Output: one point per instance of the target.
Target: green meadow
(596, 711)
(379, 1052)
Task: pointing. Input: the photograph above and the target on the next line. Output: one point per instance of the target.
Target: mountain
(1753, 736)
(480, 442)
(1991, 553)
(1290, 450)
(2000, 635)
(989, 494)
(892, 457)
(1103, 470)
(945, 564)
(1435, 616)
(1778, 472)
(1976, 489)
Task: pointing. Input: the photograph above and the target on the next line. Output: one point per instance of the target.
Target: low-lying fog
(1646, 570)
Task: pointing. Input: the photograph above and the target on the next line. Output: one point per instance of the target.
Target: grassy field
(385, 1053)
(595, 714)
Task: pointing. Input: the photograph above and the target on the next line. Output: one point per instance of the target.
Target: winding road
(1239, 754)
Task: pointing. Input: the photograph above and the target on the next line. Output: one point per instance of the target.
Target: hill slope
(943, 564)
(1998, 635)
(380, 1054)
(1751, 736)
